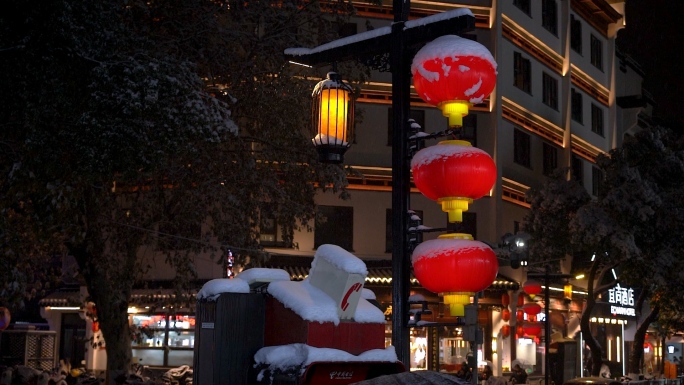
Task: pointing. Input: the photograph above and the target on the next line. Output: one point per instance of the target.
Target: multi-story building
(564, 94)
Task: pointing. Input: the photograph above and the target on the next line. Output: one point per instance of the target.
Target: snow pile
(286, 356)
(212, 289)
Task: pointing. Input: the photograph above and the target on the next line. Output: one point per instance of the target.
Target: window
(268, 228)
(521, 149)
(596, 52)
(550, 16)
(596, 119)
(576, 106)
(550, 161)
(522, 72)
(596, 181)
(550, 91)
(334, 225)
(163, 339)
(417, 115)
(577, 172)
(524, 5)
(388, 229)
(575, 34)
(468, 226)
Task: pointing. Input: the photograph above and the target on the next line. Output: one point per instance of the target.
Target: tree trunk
(589, 339)
(636, 356)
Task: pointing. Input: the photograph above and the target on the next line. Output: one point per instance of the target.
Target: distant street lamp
(332, 118)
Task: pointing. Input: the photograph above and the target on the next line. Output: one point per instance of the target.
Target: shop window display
(162, 339)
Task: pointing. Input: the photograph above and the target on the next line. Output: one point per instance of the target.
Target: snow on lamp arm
(453, 173)
(456, 266)
(452, 73)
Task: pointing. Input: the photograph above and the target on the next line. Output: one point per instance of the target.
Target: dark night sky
(654, 36)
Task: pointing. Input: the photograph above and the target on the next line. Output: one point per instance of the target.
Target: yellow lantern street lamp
(567, 292)
(332, 118)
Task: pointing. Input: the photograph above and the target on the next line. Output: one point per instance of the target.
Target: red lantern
(455, 265)
(452, 73)
(532, 308)
(505, 331)
(532, 317)
(453, 173)
(519, 315)
(96, 327)
(506, 315)
(532, 287)
(532, 328)
(521, 299)
(505, 299)
(5, 318)
(519, 331)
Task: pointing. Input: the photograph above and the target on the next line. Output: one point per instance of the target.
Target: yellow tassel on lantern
(455, 110)
(456, 302)
(454, 207)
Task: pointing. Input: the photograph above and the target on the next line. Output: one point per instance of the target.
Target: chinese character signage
(621, 300)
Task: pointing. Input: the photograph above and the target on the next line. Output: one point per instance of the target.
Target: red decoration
(5, 318)
(505, 299)
(519, 331)
(96, 327)
(532, 308)
(532, 317)
(521, 299)
(532, 328)
(532, 287)
(519, 315)
(452, 73)
(455, 266)
(506, 315)
(505, 331)
(453, 173)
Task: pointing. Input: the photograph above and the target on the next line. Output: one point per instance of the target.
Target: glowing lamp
(453, 73)
(453, 173)
(532, 287)
(532, 308)
(332, 118)
(567, 292)
(455, 266)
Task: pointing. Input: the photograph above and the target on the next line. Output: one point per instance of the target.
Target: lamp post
(401, 37)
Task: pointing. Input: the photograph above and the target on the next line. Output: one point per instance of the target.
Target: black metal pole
(547, 326)
(401, 88)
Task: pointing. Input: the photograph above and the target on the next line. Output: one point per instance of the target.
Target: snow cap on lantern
(456, 266)
(453, 173)
(452, 73)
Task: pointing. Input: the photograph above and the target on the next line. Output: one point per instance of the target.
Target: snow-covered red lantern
(532, 287)
(532, 308)
(506, 315)
(453, 173)
(505, 299)
(453, 73)
(532, 328)
(455, 266)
